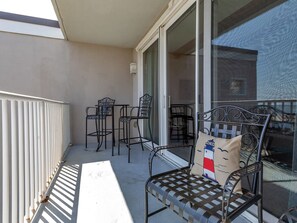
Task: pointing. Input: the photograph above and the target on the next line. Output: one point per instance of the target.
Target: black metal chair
(141, 112)
(199, 199)
(99, 114)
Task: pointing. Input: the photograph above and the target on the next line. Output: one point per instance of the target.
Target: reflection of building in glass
(273, 35)
(238, 87)
(271, 32)
(236, 75)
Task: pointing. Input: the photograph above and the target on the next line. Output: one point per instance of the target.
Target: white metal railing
(34, 134)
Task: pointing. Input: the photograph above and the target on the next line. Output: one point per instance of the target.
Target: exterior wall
(76, 73)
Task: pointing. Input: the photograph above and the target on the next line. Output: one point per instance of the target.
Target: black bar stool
(141, 112)
(99, 114)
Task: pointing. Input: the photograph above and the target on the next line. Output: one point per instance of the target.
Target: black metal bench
(199, 199)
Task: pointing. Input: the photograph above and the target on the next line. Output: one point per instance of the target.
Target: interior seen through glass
(181, 80)
(151, 86)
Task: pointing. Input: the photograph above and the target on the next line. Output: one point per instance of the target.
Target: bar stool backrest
(145, 103)
(105, 107)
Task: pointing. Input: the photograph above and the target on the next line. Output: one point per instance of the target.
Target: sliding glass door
(180, 64)
(151, 86)
(229, 52)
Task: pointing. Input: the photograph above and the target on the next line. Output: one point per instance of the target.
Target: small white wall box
(133, 68)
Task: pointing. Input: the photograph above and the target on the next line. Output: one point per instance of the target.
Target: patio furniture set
(106, 108)
(224, 174)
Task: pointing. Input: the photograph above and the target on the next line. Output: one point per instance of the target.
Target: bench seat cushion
(193, 197)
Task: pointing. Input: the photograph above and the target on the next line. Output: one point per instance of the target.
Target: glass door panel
(181, 80)
(151, 86)
(254, 49)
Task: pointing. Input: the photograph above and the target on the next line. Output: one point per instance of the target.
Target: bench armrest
(154, 153)
(232, 181)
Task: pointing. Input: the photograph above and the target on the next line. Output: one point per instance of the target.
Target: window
(254, 53)
(238, 87)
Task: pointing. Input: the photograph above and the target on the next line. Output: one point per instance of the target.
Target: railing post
(47, 144)
(36, 154)
(27, 158)
(14, 162)
(42, 148)
(5, 164)
(21, 161)
(39, 196)
(31, 148)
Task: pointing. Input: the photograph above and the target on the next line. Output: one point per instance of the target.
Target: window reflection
(181, 80)
(254, 66)
(151, 86)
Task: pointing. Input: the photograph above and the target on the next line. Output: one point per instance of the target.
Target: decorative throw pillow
(215, 158)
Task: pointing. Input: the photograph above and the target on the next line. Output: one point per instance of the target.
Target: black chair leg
(193, 130)
(140, 136)
(151, 135)
(86, 139)
(260, 211)
(105, 132)
(119, 137)
(260, 202)
(96, 127)
(97, 124)
(99, 130)
(128, 141)
(146, 208)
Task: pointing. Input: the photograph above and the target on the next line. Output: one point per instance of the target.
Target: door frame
(174, 11)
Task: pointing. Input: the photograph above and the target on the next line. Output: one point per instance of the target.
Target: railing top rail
(267, 100)
(5, 94)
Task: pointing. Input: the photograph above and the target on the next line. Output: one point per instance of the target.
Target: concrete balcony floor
(98, 187)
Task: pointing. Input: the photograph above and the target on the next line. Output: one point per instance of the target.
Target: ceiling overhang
(114, 22)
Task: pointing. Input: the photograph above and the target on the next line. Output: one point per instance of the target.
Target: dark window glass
(151, 86)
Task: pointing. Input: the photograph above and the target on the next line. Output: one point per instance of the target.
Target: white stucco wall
(72, 72)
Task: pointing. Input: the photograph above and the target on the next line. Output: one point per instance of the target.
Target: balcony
(47, 176)
(45, 179)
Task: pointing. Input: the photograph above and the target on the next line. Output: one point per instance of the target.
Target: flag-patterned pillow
(216, 158)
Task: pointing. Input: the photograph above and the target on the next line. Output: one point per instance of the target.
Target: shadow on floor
(62, 202)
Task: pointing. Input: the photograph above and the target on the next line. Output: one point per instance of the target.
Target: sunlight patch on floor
(100, 196)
